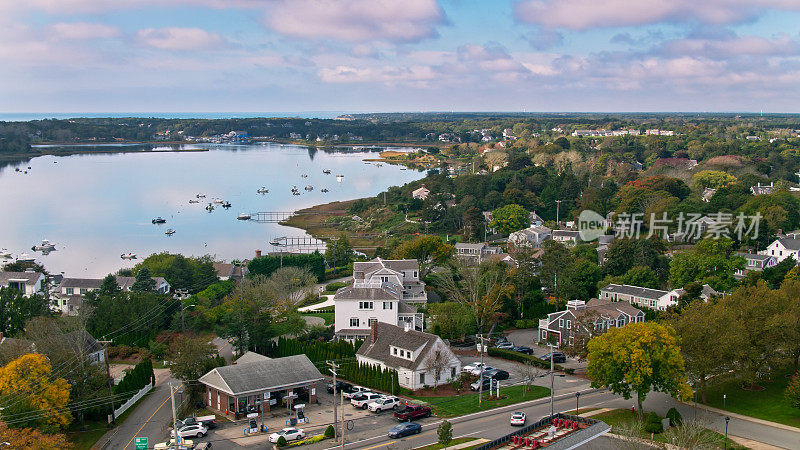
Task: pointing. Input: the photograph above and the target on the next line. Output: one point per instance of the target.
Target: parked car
(349, 393)
(364, 399)
(382, 404)
(185, 444)
(505, 345)
(340, 386)
(412, 412)
(196, 430)
(496, 374)
(477, 371)
(290, 434)
(500, 339)
(523, 349)
(209, 421)
(558, 357)
(476, 386)
(203, 446)
(470, 367)
(518, 419)
(405, 429)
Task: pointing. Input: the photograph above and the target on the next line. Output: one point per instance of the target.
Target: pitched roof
(392, 335)
(634, 290)
(566, 233)
(364, 293)
(792, 243)
(754, 256)
(223, 269)
(88, 283)
(125, 283)
(391, 264)
(467, 245)
(29, 278)
(609, 308)
(250, 357)
(270, 374)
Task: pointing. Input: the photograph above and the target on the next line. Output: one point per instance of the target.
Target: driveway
(530, 337)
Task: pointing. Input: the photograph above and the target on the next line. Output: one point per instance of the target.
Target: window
(371, 321)
(394, 350)
(70, 291)
(354, 322)
(415, 274)
(64, 302)
(422, 378)
(620, 322)
(387, 305)
(569, 324)
(560, 323)
(364, 305)
(452, 372)
(384, 279)
(84, 291)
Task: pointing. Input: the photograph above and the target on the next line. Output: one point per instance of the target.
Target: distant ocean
(21, 117)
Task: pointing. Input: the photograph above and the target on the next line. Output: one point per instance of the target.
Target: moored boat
(243, 216)
(158, 220)
(169, 232)
(128, 255)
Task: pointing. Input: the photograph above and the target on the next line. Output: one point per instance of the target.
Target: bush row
(316, 351)
(140, 376)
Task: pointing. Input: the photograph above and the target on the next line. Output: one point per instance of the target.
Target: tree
(288, 286)
(32, 439)
(427, 250)
(482, 288)
(529, 373)
(790, 319)
(445, 433)
(192, 358)
(713, 179)
(144, 281)
(509, 218)
(451, 320)
(625, 254)
(109, 286)
(637, 358)
(555, 259)
(710, 261)
(474, 224)
(339, 252)
(28, 386)
(437, 361)
(583, 331)
(192, 274)
(16, 309)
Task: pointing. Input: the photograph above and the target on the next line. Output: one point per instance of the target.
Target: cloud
(174, 38)
(356, 20)
(589, 14)
(83, 31)
(389, 75)
(731, 46)
(543, 39)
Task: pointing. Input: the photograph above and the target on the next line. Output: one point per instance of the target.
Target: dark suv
(558, 357)
(340, 386)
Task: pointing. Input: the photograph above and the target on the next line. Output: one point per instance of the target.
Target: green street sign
(140, 443)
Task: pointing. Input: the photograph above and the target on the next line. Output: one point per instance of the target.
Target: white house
(28, 283)
(648, 298)
(566, 237)
(532, 236)
(421, 193)
(762, 189)
(754, 262)
(382, 291)
(475, 253)
(785, 247)
(415, 355)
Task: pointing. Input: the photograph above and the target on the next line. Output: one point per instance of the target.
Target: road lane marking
(148, 420)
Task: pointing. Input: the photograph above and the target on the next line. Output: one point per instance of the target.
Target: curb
(743, 417)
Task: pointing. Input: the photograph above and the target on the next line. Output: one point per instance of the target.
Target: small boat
(128, 256)
(16, 169)
(339, 178)
(325, 190)
(218, 201)
(159, 220)
(274, 242)
(309, 188)
(295, 193)
(263, 190)
(403, 168)
(4, 254)
(194, 201)
(45, 246)
(210, 207)
(169, 232)
(243, 216)
(303, 175)
(24, 257)
(226, 204)
(200, 196)
(326, 171)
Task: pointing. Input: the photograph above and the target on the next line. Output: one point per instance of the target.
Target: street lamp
(577, 397)
(727, 419)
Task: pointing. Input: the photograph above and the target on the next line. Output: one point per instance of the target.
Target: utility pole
(333, 367)
(181, 295)
(552, 382)
(110, 382)
(174, 417)
(558, 207)
(341, 395)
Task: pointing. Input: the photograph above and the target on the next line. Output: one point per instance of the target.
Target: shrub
(333, 287)
(521, 357)
(652, 423)
(281, 441)
(329, 432)
(674, 417)
(792, 392)
(526, 323)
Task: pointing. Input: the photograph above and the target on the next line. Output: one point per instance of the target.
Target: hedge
(265, 265)
(316, 351)
(140, 376)
(373, 377)
(335, 286)
(523, 358)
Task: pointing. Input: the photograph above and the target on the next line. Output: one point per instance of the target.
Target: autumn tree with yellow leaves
(31, 396)
(636, 359)
(32, 439)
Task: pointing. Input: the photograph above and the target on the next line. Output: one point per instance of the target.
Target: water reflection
(97, 206)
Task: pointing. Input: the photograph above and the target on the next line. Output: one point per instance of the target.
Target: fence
(124, 407)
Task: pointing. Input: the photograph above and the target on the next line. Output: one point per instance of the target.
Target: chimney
(373, 332)
(258, 253)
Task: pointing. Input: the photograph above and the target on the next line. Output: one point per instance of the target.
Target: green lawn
(769, 404)
(468, 403)
(455, 441)
(620, 417)
(327, 316)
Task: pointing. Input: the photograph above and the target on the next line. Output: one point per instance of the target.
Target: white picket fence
(124, 407)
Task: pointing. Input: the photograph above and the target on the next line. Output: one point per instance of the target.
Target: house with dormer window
(383, 290)
(561, 327)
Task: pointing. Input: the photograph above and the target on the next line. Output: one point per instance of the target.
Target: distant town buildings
(762, 189)
(421, 193)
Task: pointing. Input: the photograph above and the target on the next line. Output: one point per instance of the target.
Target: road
(150, 418)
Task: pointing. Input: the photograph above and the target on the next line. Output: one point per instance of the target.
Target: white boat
(295, 193)
(210, 207)
(128, 256)
(200, 196)
(304, 175)
(263, 190)
(243, 216)
(169, 232)
(218, 201)
(24, 257)
(45, 246)
(309, 188)
(4, 254)
(339, 178)
(327, 171)
(325, 190)
(194, 201)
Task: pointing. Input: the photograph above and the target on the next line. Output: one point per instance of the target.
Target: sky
(402, 55)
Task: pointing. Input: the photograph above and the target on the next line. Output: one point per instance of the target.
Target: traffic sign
(140, 443)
